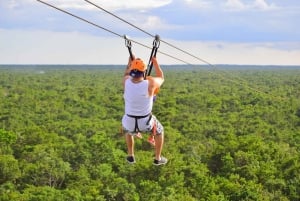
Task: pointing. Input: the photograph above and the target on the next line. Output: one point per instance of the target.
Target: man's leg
(159, 142)
(130, 144)
(130, 148)
(158, 130)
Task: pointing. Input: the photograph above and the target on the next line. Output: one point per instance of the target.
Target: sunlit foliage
(231, 134)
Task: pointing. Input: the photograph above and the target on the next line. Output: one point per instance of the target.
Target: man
(138, 117)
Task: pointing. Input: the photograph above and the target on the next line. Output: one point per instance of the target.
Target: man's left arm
(127, 71)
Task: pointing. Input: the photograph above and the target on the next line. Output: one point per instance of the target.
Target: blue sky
(218, 31)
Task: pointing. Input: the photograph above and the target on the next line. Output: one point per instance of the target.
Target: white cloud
(82, 5)
(154, 23)
(198, 3)
(263, 5)
(70, 4)
(111, 4)
(12, 4)
(133, 4)
(239, 5)
(235, 5)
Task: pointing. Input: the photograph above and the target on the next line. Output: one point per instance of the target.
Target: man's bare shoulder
(155, 82)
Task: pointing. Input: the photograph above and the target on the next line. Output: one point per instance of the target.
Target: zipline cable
(108, 30)
(173, 46)
(241, 81)
(123, 36)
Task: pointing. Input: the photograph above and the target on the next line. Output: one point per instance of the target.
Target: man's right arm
(159, 78)
(157, 81)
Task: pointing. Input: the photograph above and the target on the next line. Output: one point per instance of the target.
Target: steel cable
(108, 30)
(241, 81)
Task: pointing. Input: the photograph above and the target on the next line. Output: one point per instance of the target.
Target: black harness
(136, 126)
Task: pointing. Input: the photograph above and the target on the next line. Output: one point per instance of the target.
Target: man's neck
(137, 80)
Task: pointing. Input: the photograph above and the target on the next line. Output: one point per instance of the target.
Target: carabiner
(156, 42)
(128, 45)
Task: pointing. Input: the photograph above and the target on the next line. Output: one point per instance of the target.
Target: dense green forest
(230, 134)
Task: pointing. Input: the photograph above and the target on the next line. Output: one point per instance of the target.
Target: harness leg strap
(136, 127)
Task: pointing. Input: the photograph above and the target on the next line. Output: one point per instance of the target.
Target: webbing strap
(156, 43)
(136, 126)
(128, 45)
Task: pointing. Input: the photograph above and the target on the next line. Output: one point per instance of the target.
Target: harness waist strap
(139, 117)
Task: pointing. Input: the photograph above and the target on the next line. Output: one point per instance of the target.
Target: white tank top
(137, 99)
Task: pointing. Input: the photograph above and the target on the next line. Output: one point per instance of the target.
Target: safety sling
(156, 43)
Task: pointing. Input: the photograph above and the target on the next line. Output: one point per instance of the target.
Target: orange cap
(138, 64)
